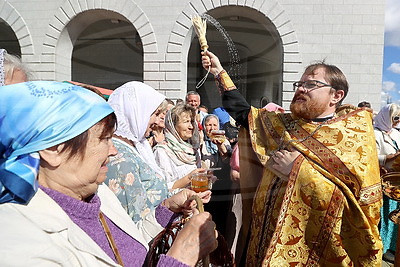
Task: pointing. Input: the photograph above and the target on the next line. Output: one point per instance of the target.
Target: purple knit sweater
(86, 216)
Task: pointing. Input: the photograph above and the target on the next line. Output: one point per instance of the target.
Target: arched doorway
(108, 51)
(8, 39)
(261, 56)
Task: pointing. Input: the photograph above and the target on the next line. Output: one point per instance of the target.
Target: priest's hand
(283, 161)
(208, 59)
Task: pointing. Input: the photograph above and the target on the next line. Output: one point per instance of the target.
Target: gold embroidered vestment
(327, 213)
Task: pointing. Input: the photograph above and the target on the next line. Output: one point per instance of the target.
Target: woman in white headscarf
(388, 146)
(133, 174)
(387, 137)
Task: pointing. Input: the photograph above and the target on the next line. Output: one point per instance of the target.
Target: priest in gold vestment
(318, 198)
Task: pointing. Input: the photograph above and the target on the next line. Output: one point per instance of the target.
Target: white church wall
(347, 33)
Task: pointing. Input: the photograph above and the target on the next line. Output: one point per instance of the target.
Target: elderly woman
(388, 146)
(57, 136)
(157, 130)
(133, 174)
(179, 157)
(213, 150)
(12, 70)
(387, 137)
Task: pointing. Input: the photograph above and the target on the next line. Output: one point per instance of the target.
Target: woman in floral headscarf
(179, 156)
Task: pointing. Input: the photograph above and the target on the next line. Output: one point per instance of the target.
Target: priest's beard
(308, 109)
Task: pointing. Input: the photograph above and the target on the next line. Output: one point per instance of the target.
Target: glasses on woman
(310, 85)
(396, 118)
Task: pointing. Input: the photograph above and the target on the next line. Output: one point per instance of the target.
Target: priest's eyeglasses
(310, 85)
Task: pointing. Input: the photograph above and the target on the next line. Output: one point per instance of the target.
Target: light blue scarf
(35, 116)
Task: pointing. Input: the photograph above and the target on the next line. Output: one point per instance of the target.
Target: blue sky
(391, 61)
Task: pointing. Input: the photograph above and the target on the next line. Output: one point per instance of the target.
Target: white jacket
(42, 234)
(385, 145)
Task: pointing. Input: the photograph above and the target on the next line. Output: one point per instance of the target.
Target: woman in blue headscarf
(62, 213)
(213, 151)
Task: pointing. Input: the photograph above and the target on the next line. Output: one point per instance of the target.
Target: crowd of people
(86, 181)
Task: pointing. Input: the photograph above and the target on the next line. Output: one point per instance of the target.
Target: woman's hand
(196, 171)
(218, 141)
(205, 196)
(235, 175)
(197, 239)
(208, 59)
(183, 202)
(221, 146)
(159, 136)
(185, 180)
(391, 157)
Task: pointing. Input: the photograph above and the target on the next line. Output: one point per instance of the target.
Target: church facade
(265, 44)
